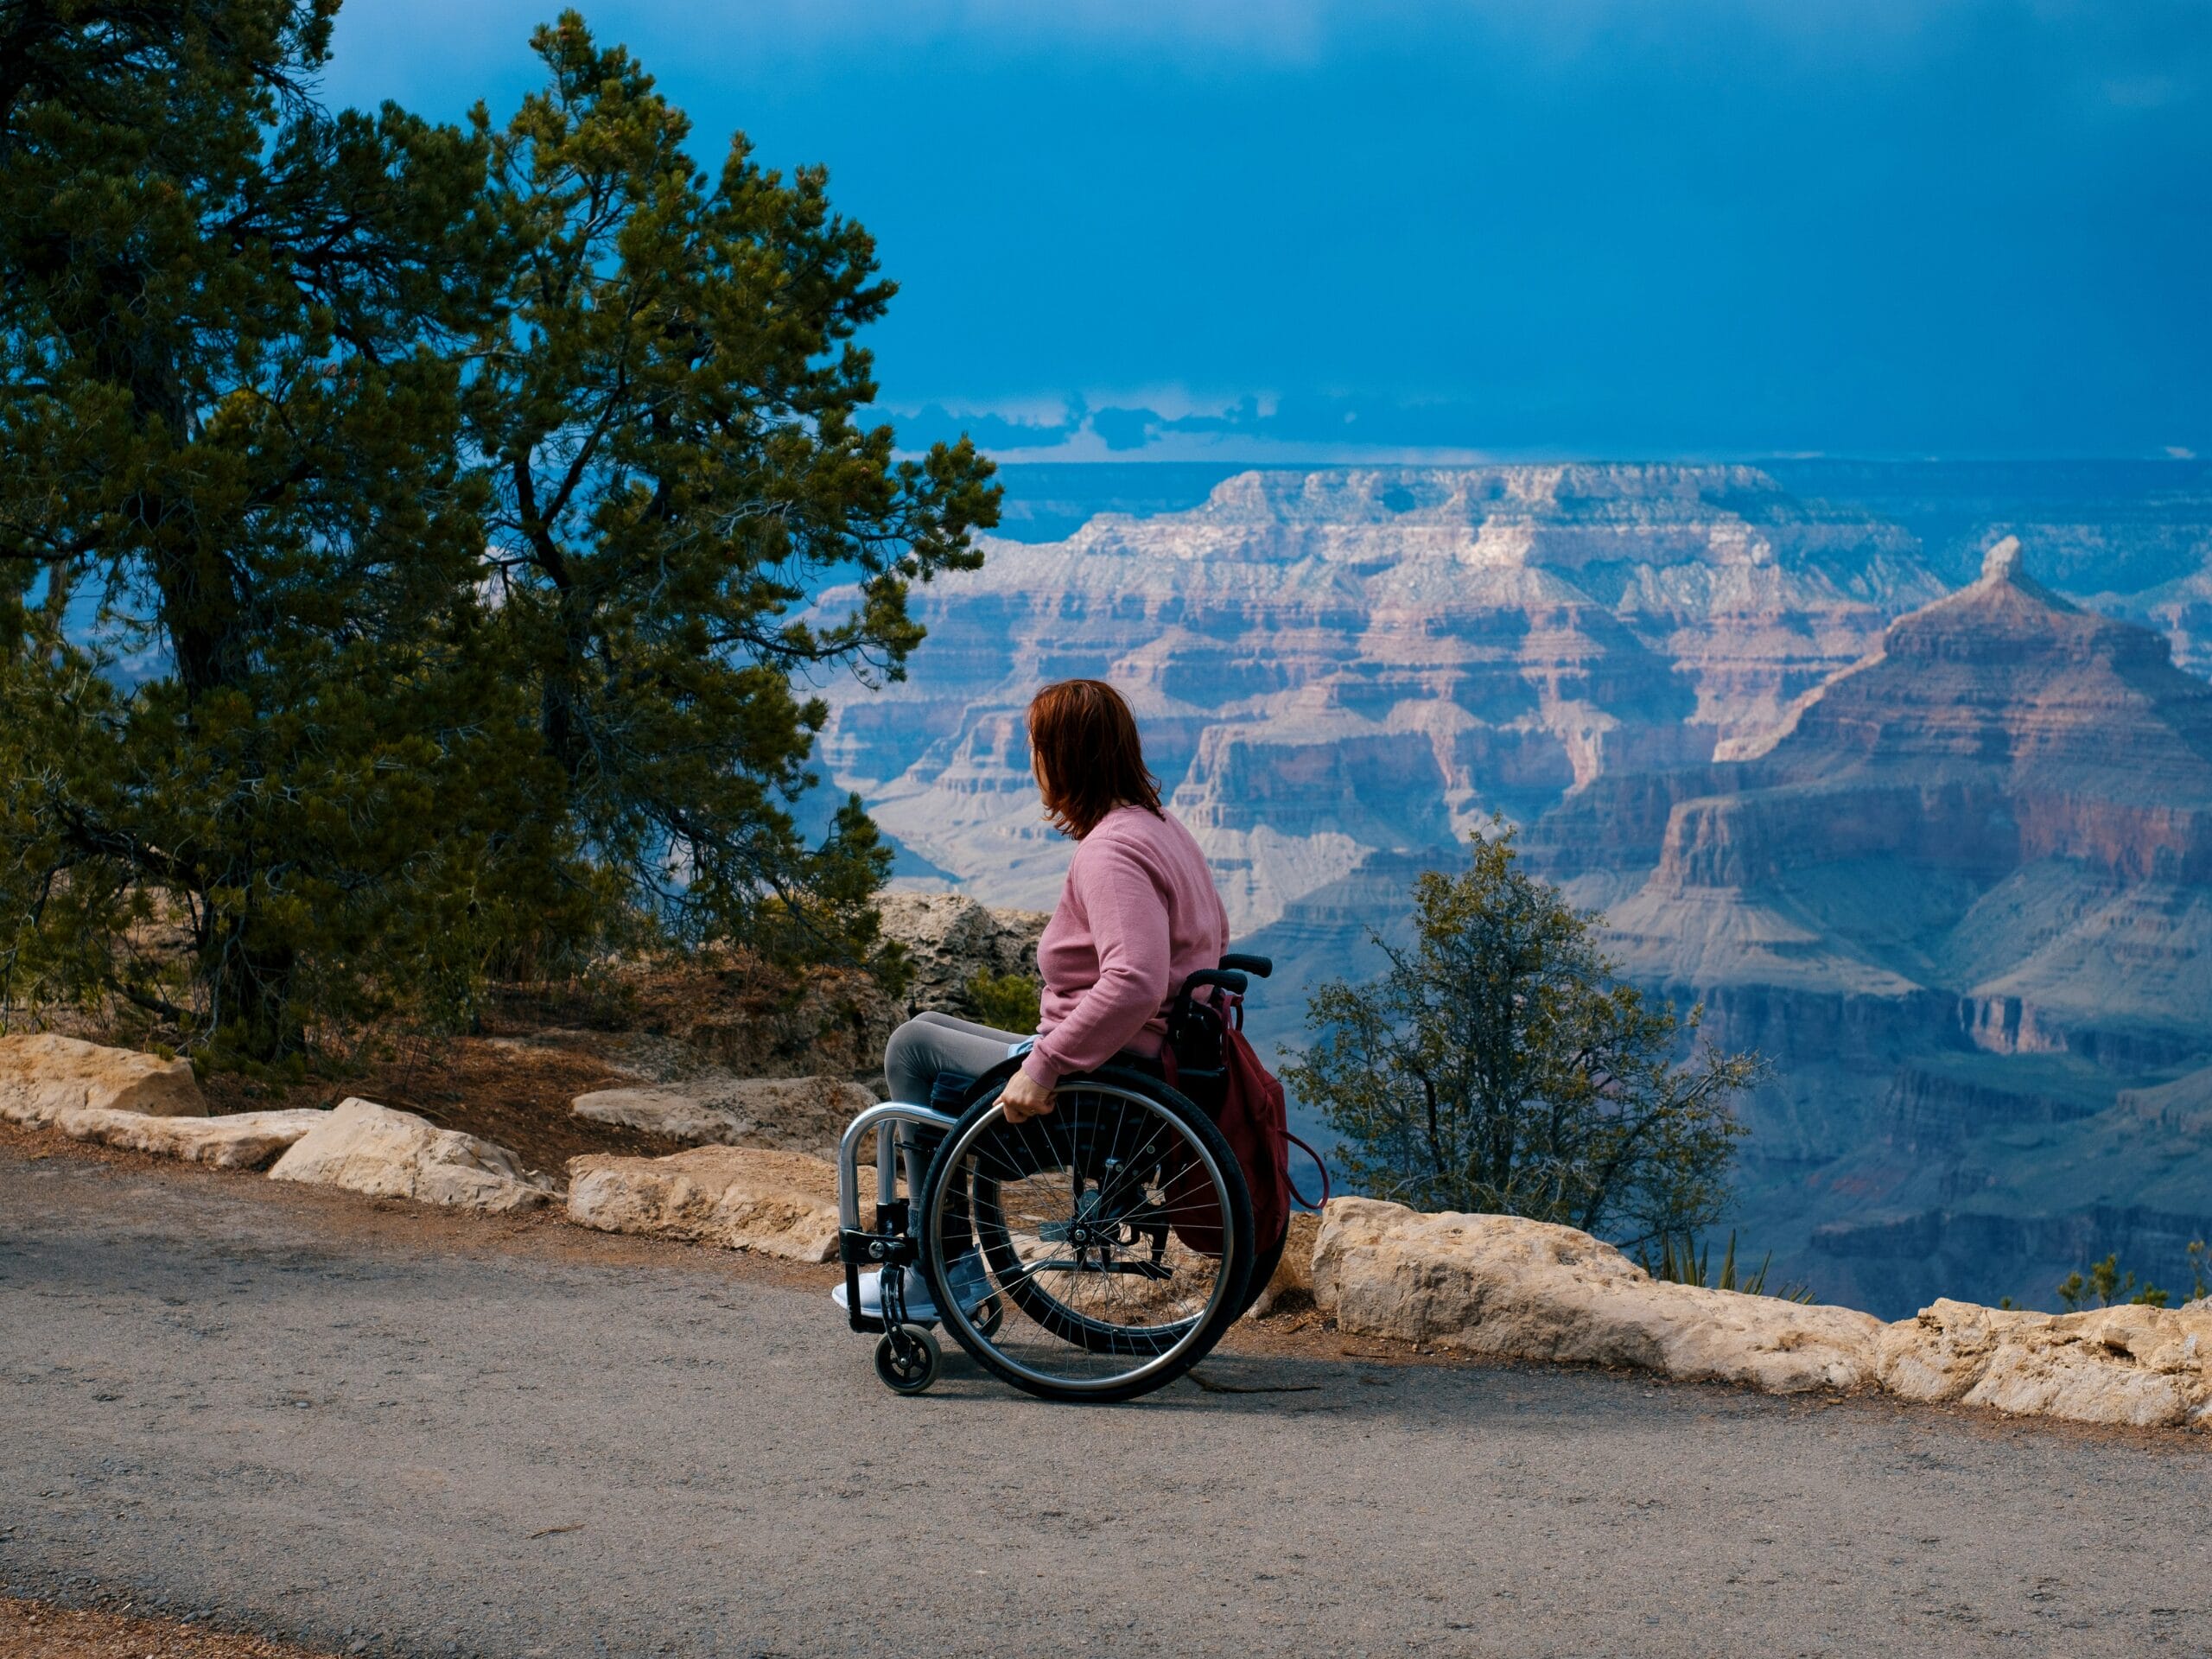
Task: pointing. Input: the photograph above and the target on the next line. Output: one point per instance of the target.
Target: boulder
(239, 1140)
(368, 1148)
(42, 1075)
(785, 1114)
(1522, 1289)
(949, 939)
(740, 1197)
(2148, 1367)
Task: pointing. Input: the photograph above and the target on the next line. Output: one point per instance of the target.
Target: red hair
(1089, 757)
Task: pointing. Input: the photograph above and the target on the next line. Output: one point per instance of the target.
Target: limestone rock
(372, 1149)
(781, 1204)
(949, 939)
(42, 1075)
(1523, 1289)
(2147, 1367)
(1942, 1354)
(238, 1141)
(786, 1114)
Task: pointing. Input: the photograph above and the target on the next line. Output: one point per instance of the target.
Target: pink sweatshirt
(1138, 914)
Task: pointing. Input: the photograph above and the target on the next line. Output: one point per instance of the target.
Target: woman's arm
(1127, 908)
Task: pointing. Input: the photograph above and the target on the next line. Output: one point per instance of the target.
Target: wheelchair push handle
(1228, 979)
(1240, 961)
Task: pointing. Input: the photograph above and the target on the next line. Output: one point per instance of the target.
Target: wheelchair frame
(907, 1353)
(892, 1246)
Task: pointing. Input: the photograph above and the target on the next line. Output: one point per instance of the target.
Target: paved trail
(232, 1399)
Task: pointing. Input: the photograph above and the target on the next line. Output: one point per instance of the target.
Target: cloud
(1626, 227)
(1254, 426)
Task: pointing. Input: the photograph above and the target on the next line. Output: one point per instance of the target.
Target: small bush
(1501, 1066)
(2108, 1284)
(1010, 1001)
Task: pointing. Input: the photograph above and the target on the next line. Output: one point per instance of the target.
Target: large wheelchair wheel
(1114, 1230)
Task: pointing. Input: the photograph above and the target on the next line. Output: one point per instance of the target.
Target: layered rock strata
(1968, 876)
(2132, 538)
(1332, 664)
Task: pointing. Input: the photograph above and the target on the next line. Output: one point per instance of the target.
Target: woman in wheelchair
(1076, 1222)
(1138, 915)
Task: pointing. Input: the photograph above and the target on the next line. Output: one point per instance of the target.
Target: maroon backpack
(1247, 1105)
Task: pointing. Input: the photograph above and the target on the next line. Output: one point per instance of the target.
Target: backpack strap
(1326, 1186)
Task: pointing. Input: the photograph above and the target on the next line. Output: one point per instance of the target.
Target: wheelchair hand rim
(959, 1321)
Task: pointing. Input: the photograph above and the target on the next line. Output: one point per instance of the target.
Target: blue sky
(1290, 229)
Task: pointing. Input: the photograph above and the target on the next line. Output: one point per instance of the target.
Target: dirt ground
(512, 1089)
(535, 1048)
(30, 1630)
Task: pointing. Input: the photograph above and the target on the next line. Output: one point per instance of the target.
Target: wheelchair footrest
(876, 1250)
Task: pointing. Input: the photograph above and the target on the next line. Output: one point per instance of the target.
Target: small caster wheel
(989, 1314)
(907, 1359)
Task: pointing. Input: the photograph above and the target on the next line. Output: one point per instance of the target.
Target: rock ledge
(43, 1076)
(1504, 1286)
(780, 1203)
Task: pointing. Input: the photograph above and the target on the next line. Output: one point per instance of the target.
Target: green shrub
(1685, 1261)
(1007, 1001)
(1501, 1066)
(2108, 1284)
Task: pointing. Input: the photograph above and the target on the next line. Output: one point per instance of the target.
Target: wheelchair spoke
(1081, 1220)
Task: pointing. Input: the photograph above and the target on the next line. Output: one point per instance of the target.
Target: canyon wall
(1944, 856)
(1962, 893)
(1332, 665)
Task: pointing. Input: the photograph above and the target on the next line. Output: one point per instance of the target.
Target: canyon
(1829, 756)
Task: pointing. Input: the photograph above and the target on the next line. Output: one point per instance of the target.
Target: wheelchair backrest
(1208, 1006)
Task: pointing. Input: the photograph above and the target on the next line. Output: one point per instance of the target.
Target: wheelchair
(1095, 1253)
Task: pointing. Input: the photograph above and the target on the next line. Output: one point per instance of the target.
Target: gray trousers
(925, 1045)
(931, 1043)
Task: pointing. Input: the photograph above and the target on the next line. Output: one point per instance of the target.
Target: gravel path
(383, 1433)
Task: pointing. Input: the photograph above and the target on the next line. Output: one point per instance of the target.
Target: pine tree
(667, 404)
(405, 530)
(226, 425)
(1499, 1067)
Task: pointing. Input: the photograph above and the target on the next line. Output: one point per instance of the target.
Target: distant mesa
(1991, 838)
(1337, 665)
(1998, 732)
